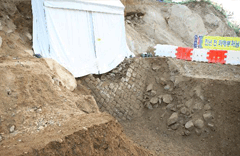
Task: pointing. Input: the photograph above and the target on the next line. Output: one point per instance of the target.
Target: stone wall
(120, 92)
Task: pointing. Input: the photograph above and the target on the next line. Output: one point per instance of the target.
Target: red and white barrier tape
(200, 55)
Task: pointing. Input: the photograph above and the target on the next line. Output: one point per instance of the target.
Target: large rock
(185, 23)
(173, 119)
(212, 20)
(153, 30)
(65, 77)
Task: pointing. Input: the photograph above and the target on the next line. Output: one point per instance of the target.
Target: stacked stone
(122, 98)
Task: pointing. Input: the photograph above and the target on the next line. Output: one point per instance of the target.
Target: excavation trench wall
(196, 104)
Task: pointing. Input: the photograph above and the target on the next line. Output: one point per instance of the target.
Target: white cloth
(84, 37)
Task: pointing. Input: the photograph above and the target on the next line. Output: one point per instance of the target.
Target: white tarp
(86, 37)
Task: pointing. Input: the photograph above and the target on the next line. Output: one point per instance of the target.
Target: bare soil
(39, 115)
(196, 90)
(151, 130)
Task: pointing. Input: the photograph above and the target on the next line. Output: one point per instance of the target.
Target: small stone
(175, 126)
(198, 106)
(167, 87)
(1, 27)
(159, 101)
(155, 106)
(103, 78)
(29, 36)
(12, 129)
(207, 107)
(167, 98)
(173, 119)
(154, 100)
(171, 107)
(9, 92)
(111, 86)
(189, 125)
(149, 87)
(129, 17)
(112, 75)
(198, 132)
(128, 21)
(199, 123)
(0, 41)
(40, 128)
(149, 106)
(207, 116)
(30, 52)
(157, 80)
(189, 103)
(163, 81)
(156, 67)
(134, 74)
(1, 138)
(129, 74)
(180, 106)
(153, 92)
(187, 133)
(184, 110)
(210, 125)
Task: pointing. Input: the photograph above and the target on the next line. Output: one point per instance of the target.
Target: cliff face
(150, 22)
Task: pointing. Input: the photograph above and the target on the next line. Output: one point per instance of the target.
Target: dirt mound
(41, 116)
(151, 22)
(93, 134)
(172, 106)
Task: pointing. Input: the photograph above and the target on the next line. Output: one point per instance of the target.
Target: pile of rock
(192, 119)
(117, 73)
(134, 18)
(153, 100)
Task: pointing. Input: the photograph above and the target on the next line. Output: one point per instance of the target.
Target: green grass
(218, 7)
(235, 27)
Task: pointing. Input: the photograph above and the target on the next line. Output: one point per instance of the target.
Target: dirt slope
(170, 106)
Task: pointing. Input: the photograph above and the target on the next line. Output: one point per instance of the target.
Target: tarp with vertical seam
(86, 37)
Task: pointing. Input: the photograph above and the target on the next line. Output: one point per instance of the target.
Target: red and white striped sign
(200, 55)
